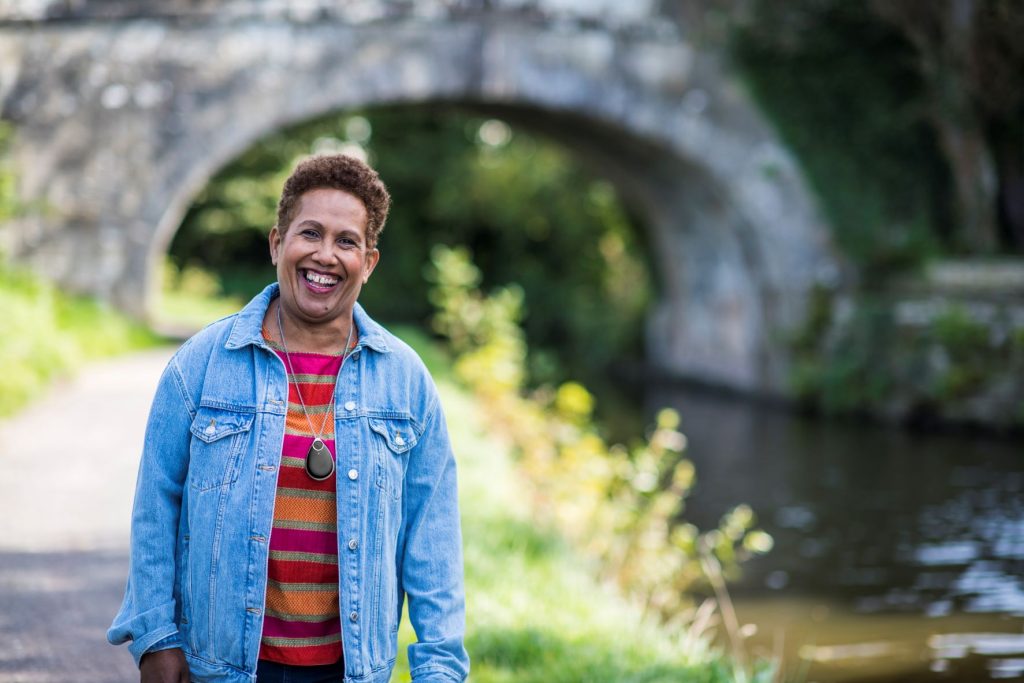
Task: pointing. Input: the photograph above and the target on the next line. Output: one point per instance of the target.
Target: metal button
(354, 616)
(399, 440)
(210, 429)
(353, 474)
(350, 405)
(353, 544)
(355, 355)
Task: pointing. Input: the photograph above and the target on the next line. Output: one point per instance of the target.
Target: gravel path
(68, 473)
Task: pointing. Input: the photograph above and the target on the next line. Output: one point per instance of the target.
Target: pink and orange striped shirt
(301, 624)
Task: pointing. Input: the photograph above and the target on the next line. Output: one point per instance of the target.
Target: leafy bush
(621, 505)
(534, 611)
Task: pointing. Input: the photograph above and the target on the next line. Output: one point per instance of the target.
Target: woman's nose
(325, 252)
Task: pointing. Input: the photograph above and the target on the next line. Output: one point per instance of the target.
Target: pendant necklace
(319, 463)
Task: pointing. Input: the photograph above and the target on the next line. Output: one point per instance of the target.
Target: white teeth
(321, 279)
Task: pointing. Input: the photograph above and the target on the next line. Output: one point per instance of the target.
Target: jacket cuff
(435, 674)
(168, 643)
(147, 643)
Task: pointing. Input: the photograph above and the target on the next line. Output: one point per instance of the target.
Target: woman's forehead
(329, 206)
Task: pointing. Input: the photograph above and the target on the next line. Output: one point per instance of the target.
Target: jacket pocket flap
(397, 433)
(211, 424)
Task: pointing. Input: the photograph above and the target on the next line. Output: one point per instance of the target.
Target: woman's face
(323, 259)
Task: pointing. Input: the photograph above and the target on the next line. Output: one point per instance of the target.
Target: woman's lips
(319, 282)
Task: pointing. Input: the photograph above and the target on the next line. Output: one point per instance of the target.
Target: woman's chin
(319, 309)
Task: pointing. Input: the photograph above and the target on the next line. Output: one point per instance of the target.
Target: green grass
(179, 309)
(48, 333)
(190, 299)
(535, 614)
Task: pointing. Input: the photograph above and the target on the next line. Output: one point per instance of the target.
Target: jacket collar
(248, 325)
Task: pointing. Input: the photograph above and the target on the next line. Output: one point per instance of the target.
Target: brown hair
(336, 172)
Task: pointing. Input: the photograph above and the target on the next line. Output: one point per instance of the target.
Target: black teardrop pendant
(319, 463)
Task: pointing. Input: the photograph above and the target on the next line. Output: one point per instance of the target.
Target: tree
(972, 60)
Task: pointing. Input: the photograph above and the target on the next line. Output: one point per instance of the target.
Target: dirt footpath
(68, 466)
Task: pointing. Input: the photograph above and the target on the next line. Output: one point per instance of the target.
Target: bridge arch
(119, 140)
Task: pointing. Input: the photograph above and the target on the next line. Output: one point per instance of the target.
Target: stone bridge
(122, 110)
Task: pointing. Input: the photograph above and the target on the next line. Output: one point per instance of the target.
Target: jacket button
(353, 544)
(353, 474)
(354, 616)
(350, 405)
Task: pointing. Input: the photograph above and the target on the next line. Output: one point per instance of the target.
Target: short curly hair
(336, 172)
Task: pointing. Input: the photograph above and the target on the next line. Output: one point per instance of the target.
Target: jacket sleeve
(148, 613)
(431, 560)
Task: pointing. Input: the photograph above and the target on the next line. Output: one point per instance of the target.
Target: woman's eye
(309, 232)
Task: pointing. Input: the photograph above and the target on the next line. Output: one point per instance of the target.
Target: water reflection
(872, 521)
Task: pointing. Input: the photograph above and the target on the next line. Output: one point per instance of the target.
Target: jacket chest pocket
(218, 437)
(394, 438)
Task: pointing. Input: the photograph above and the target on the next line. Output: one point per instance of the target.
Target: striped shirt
(301, 624)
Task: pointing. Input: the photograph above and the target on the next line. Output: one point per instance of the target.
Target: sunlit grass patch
(190, 299)
(48, 333)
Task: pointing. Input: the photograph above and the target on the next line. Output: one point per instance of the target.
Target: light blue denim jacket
(204, 505)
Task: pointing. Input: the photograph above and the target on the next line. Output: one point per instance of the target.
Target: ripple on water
(1000, 647)
(956, 552)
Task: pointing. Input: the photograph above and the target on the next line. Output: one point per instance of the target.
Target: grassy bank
(534, 612)
(48, 334)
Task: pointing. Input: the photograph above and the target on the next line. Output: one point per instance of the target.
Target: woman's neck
(328, 338)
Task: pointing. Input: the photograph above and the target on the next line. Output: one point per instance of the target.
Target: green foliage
(48, 333)
(843, 91)
(958, 332)
(529, 213)
(534, 610)
(869, 359)
(850, 370)
(969, 348)
(622, 505)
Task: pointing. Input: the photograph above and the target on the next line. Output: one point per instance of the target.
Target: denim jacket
(205, 495)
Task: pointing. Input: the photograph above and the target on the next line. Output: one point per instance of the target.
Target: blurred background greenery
(526, 209)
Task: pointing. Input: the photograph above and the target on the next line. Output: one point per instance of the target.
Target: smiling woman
(250, 555)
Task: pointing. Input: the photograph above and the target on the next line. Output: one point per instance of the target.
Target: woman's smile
(317, 281)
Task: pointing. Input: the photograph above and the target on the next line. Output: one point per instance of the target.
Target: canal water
(899, 556)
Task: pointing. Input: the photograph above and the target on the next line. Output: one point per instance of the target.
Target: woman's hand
(164, 666)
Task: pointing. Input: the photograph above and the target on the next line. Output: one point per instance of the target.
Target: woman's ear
(275, 244)
(372, 257)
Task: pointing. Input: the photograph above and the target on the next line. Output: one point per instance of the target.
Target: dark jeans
(272, 672)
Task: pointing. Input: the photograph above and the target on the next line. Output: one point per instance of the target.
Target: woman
(297, 480)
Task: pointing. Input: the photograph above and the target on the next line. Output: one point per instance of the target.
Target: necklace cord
(317, 436)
